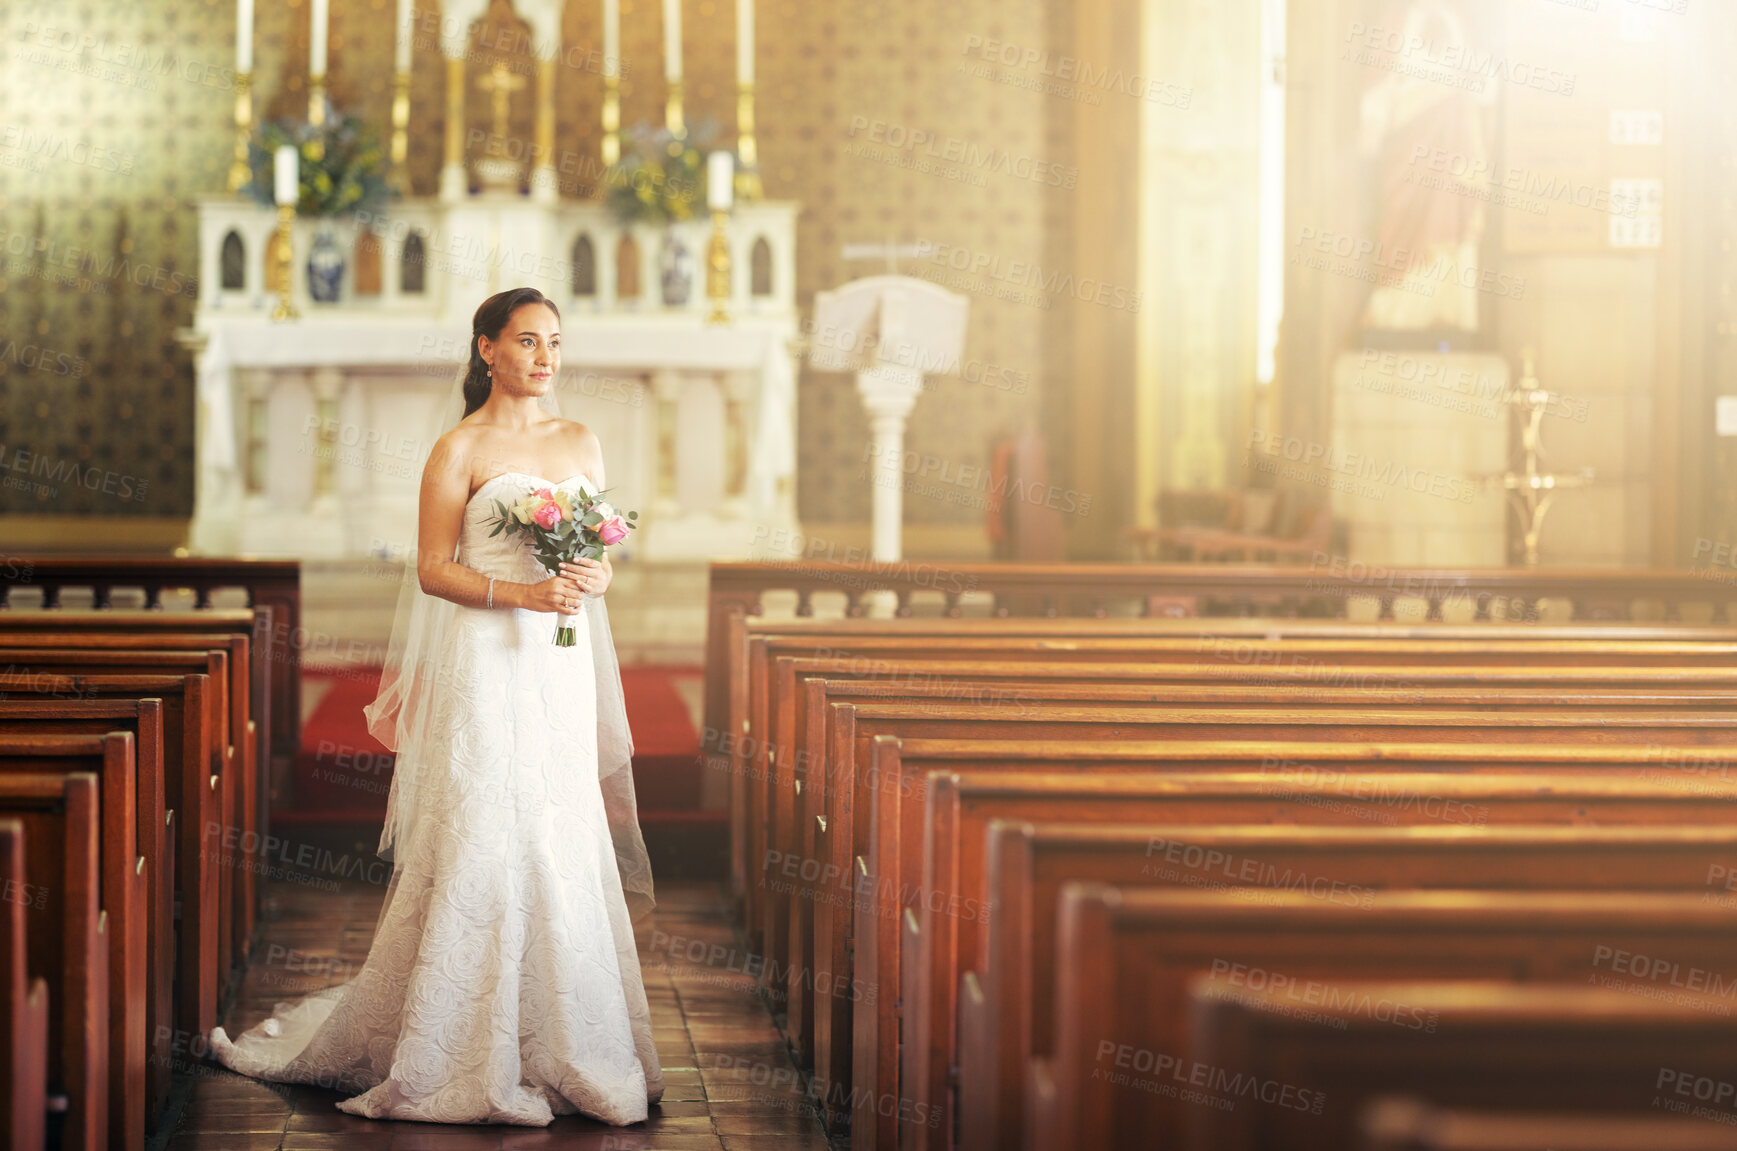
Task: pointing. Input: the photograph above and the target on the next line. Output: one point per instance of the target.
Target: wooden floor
(729, 1083)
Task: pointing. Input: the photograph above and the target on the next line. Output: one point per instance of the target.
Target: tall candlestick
(286, 176)
(238, 169)
(612, 38)
(406, 25)
(317, 40)
(745, 43)
(720, 174)
(672, 40)
(244, 35)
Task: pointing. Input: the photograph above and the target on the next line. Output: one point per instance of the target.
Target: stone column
(888, 394)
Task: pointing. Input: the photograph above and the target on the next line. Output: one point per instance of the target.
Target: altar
(680, 344)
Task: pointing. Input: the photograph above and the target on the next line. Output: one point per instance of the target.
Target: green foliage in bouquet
(348, 176)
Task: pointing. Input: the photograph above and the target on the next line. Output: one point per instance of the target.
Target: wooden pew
(845, 836)
(1030, 864)
(143, 720)
(1407, 1124)
(191, 792)
(228, 717)
(66, 939)
(274, 652)
(269, 584)
(749, 728)
(1127, 956)
(797, 815)
(237, 887)
(1483, 1045)
(781, 729)
(947, 934)
(1510, 595)
(24, 1037)
(802, 788)
(124, 893)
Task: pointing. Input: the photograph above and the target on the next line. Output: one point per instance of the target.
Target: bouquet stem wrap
(566, 630)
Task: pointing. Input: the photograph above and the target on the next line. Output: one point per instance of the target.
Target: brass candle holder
(286, 220)
(400, 175)
(611, 122)
(718, 268)
(239, 173)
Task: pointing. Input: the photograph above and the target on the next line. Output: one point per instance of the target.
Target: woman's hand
(592, 576)
(559, 593)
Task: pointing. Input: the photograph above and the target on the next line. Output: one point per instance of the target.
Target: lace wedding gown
(502, 985)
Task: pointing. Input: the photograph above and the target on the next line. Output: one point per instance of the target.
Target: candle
(720, 176)
(317, 43)
(406, 21)
(744, 43)
(287, 179)
(672, 40)
(244, 35)
(612, 37)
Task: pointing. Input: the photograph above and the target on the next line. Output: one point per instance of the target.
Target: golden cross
(502, 82)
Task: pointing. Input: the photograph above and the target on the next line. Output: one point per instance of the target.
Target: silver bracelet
(491, 593)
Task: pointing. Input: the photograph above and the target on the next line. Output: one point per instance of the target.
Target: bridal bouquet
(563, 526)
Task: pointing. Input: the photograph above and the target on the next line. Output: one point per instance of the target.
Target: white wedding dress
(502, 985)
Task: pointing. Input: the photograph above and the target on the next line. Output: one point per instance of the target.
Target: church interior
(1182, 588)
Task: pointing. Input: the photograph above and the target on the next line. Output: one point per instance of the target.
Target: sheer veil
(413, 676)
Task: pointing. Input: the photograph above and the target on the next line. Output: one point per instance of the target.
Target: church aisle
(728, 1081)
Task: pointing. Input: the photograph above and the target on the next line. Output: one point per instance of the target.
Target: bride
(502, 985)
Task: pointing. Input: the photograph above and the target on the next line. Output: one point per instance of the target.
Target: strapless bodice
(507, 555)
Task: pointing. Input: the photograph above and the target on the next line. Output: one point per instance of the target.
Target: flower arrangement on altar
(341, 166)
(661, 179)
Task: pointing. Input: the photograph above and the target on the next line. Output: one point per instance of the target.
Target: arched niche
(760, 268)
(232, 263)
(367, 278)
(584, 266)
(411, 264)
(627, 285)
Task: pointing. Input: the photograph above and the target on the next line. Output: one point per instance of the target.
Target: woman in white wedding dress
(502, 985)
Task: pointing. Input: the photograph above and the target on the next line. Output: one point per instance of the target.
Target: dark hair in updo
(490, 320)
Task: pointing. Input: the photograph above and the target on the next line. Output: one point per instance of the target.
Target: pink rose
(544, 493)
(612, 531)
(548, 515)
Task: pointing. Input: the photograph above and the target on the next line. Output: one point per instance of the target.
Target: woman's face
(528, 353)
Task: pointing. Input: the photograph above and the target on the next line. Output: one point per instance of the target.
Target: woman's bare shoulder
(456, 445)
